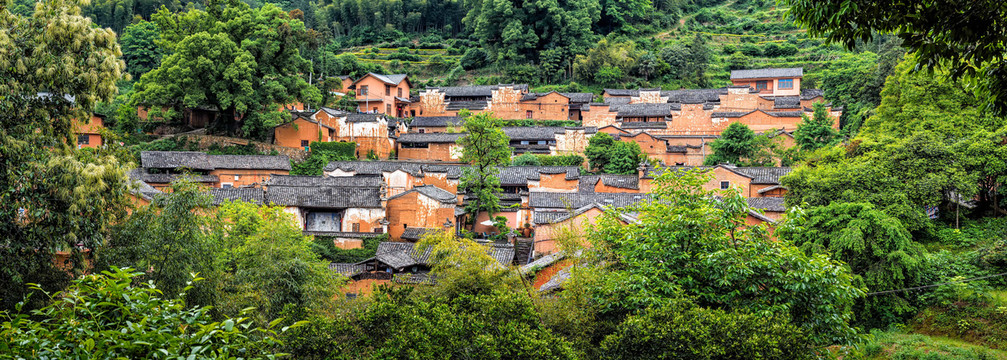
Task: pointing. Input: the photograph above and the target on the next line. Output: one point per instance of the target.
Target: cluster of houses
(416, 190)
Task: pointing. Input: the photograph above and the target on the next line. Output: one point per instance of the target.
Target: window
(524, 142)
(363, 90)
(528, 114)
(423, 131)
(761, 85)
(679, 164)
(786, 83)
(400, 91)
(378, 231)
(304, 143)
(388, 108)
(356, 227)
(541, 142)
(237, 177)
(226, 185)
(388, 90)
(724, 185)
(375, 110)
(83, 139)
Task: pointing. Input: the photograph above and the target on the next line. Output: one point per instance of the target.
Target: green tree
(739, 61)
(348, 102)
(116, 316)
(624, 158)
(685, 331)
(526, 159)
(816, 131)
(170, 239)
(140, 49)
(243, 61)
(932, 30)
(474, 58)
(485, 147)
(606, 57)
(517, 30)
(267, 263)
(737, 144)
(52, 197)
(598, 151)
(876, 247)
(695, 243)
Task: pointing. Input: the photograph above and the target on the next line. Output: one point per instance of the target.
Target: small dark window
(761, 85)
(724, 185)
(363, 90)
(679, 164)
(226, 186)
(388, 90)
(304, 143)
(378, 230)
(83, 139)
(414, 145)
(400, 91)
(423, 131)
(388, 109)
(528, 114)
(356, 227)
(405, 226)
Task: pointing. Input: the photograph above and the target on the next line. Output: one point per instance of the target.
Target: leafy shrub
(474, 58)
(326, 248)
(751, 50)
(109, 316)
(321, 154)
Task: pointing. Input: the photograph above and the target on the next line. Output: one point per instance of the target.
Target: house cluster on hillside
(407, 199)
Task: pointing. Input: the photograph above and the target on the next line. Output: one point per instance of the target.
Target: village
(412, 187)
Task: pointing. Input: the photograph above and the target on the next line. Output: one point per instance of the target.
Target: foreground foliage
(110, 316)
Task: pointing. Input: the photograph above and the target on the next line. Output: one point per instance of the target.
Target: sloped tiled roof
(621, 181)
(767, 73)
(730, 114)
(429, 138)
(432, 192)
(324, 197)
(251, 195)
(476, 90)
(808, 94)
(787, 102)
(193, 160)
(579, 97)
(393, 79)
(644, 125)
(694, 96)
(470, 105)
(639, 110)
(417, 233)
(168, 178)
(765, 175)
(250, 162)
(321, 181)
(520, 175)
(784, 113)
(436, 121)
(578, 200)
(359, 117)
(347, 269)
(532, 132)
(773, 204)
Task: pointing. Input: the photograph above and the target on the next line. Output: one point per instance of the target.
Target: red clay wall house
(422, 207)
(383, 94)
(89, 134)
(778, 82)
(301, 131)
(557, 183)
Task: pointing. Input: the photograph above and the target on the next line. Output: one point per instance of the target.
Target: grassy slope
(902, 345)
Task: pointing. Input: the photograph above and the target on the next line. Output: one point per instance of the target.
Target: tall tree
(244, 62)
(485, 147)
(54, 66)
(968, 42)
(597, 151)
(517, 30)
(140, 49)
(816, 131)
(735, 146)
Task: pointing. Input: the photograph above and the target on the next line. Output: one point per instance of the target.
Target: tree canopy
(486, 147)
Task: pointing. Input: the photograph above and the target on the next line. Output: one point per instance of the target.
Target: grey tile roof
(542, 262)
(360, 117)
(587, 183)
(614, 101)
(767, 73)
(520, 175)
(347, 269)
(621, 92)
(765, 175)
(773, 204)
(429, 138)
(167, 178)
(556, 282)
(694, 96)
(320, 181)
(577, 200)
(251, 195)
(420, 121)
(639, 110)
(548, 217)
(250, 162)
(730, 114)
(476, 90)
(400, 255)
(532, 132)
(784, 113)
(579, 97)
(193, 160)
(808, 94)
(471, 105)
(621, 181)
(417, 233)
(787, 102)
(377, 168)
(393, 79)
(324, 197)
(139, 187)
(432, 192)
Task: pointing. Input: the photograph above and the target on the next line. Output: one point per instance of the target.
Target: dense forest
(895, 246)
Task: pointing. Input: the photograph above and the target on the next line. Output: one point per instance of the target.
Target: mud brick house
(554, 211)
(779, 82)
(507, 101)
(89, 133)
(439, 146)
(423, 208)
(383, 94)
(429, 147)
(160, 168)
(753, 182)
(404, 262)
(302, 130)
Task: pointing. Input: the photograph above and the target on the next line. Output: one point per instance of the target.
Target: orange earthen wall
(598, 116)
(413, 210)
(288, 135)
(433, 152)
(246, 177)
